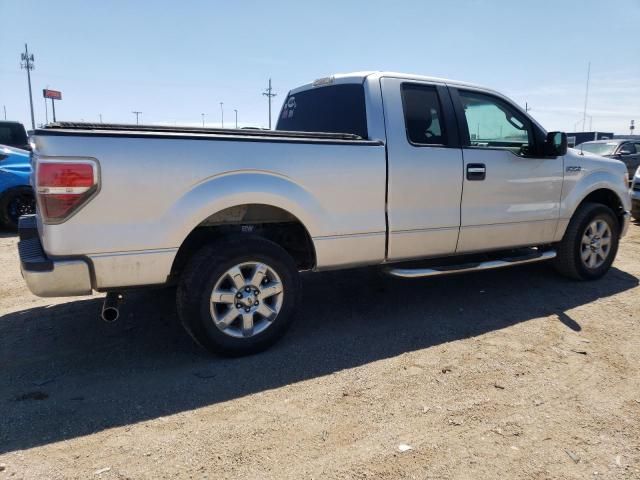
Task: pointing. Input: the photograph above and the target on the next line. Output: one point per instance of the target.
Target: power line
(27, 64)
(269, 94)
(137, 114)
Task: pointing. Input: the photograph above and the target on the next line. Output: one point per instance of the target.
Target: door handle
(476, 171)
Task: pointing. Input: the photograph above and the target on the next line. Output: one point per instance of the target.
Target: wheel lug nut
(247, 289)
(238, 295)
(238, 305)
(256, 303)
(246, 310)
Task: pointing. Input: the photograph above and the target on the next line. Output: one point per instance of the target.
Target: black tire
(14, 203)
(199, 278)
(569, 262)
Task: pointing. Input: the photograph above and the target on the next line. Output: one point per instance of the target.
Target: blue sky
(175, 60)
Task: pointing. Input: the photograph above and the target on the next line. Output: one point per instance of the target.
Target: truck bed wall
(155, 191)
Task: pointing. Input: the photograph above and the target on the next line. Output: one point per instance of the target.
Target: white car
(364, 169)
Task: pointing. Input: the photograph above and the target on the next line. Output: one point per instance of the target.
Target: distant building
(576, 138)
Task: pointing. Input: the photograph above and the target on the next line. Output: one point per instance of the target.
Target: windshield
(332, 109)
(599, 148)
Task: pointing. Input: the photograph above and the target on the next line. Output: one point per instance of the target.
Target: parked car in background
(628, 151)
(16, 194)
(13, 134)
(635, 195)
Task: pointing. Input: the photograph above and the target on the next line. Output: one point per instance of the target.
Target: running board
(471, 267)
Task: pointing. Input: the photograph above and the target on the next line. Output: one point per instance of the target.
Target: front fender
(239, 188)
(9, 179)
(577, 189)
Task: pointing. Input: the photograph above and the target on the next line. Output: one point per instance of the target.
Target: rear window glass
(12, 135)
(332, 109)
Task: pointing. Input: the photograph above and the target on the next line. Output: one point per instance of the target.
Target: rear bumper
(48, 277)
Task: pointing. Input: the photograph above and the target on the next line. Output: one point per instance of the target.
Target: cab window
(423, 115)
(492, 123)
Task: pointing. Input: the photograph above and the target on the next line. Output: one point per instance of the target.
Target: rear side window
(423, 115)
(331, 109)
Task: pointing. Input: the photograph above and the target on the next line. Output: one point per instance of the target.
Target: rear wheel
(590, 243)
(15, 203)
(237, 296)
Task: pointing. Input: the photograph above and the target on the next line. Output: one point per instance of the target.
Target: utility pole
(526, 107)
(632, 127)
(202, 119)
(137, 114)
(586, 97)
(4, 107)
(222, 113)
(27, 64)
(100, 115)
(269, 94)
(236, 117)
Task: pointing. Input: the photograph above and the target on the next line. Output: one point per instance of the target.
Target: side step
(472, 267)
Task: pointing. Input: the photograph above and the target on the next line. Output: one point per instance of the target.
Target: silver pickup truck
(420, 175)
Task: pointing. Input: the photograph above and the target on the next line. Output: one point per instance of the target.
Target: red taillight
(63, 187)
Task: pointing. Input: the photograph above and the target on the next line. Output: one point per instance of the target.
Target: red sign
(55, 94)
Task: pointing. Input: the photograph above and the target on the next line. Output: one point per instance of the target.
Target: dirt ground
(507, 374)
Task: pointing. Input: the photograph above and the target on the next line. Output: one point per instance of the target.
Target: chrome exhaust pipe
(111, 307)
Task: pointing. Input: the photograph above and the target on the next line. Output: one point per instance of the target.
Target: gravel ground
(507, 374)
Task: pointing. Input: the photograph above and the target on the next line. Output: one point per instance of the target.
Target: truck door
(511, 193)
(424, 169)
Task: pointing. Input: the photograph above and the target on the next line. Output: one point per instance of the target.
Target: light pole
(586, 97)
(137, 114)
(100, 115)
(27, 64)
(236, 117)
(202, 119)
(222, 113)
(4, 107)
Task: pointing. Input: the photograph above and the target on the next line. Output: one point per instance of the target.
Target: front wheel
(237, 296)
(15, 203)
(590, 244)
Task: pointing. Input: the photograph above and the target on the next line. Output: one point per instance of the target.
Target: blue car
(16, 194)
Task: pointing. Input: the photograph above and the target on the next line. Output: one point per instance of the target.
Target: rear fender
(239, 188)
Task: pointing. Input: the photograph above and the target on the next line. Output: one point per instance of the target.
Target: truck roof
(359, 77)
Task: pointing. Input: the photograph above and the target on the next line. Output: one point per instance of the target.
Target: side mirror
(555, 144)
(624, 151)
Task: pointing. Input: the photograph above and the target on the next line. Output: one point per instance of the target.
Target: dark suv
(13, 134)
(626, 150)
